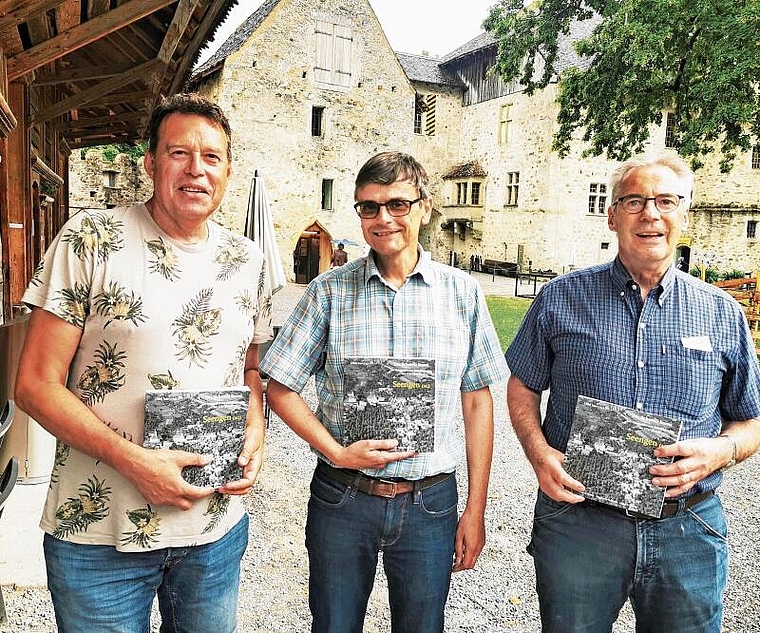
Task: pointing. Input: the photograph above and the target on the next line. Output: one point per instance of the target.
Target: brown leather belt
(387, 488)
(669, 508)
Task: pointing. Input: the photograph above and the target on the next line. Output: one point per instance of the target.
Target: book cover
(610, 450)
(207, 421)
(387, 398)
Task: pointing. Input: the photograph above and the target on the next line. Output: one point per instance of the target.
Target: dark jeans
(589, 560)
(346, 529)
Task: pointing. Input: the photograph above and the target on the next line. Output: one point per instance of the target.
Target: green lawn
(507, 314)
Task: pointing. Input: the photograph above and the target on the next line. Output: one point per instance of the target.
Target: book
(386, 398)
(610, 450)
(207, 421)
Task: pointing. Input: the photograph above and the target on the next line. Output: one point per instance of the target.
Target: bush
(711, 274)
(733, 274)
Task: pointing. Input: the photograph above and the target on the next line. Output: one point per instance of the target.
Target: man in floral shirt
(154, 295)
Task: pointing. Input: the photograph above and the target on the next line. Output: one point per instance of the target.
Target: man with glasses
(638, 333)
(367, 497)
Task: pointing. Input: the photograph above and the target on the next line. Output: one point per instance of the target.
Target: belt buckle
(632, 514)
(380, 485)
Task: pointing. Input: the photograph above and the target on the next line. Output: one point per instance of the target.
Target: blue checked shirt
(686, 352)
(439, 313)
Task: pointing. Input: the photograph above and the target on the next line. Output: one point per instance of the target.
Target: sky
(411, 26)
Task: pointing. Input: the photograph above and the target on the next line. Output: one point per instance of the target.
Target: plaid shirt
(439, 313)
(686, 352)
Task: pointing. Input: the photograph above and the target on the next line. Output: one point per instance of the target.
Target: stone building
(313, 89)
(99, 183)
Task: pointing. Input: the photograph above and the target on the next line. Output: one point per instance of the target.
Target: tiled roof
(471, 169)
(478, 43)
(235, 41)
(566, 55)
(426, 69)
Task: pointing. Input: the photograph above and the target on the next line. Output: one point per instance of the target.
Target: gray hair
(670, 160)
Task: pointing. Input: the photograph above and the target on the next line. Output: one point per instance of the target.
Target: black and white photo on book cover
(386, 398)
(207, 421)
(610, 450)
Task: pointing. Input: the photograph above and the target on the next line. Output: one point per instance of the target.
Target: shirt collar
(423, 269)
(622, 280)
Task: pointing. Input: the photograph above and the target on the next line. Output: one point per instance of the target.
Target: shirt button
(622, 293)
(640, 363)
(639, 406)
(634, 287)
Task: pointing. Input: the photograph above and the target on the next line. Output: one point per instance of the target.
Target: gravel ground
(497, 596)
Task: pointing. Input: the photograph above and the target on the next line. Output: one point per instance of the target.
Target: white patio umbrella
(259, 227)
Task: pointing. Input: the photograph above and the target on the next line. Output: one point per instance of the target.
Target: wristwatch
(731, 462)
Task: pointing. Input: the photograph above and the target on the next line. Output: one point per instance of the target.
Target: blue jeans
(346, 529)
(590, 559)
(96, 588)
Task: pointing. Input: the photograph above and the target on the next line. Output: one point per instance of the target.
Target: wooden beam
(203, 34)
(67, 15)
(97, 7)
(80, 125)
(178, 26)
(15, 12)
(86, 73)
(91, 94)
(117, 98)
(82, 35)
(114, 129)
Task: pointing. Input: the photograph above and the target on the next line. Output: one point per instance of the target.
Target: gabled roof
(478, 43)
(235, 41)
(426, 69)
(566, 55)
(471, 169)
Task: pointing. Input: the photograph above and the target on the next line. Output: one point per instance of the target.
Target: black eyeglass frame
(622, 200)
(385, 204)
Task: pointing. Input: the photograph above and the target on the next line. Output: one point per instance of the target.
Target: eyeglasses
(398, 207)
(665, 202)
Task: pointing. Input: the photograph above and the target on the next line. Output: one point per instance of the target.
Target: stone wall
(89, 179)
(268, 90)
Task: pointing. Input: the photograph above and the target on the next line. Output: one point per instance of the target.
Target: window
(597, 197)
(333, 54)
(752, 229)
(670, 130)
(424, 114)
(513, 188)
(461, 193)
(327, 194)
(505, 118)
(465, 187)
(756, 157)
(317, 121)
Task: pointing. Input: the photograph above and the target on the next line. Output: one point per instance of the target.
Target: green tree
(134, 151)
(699, 59)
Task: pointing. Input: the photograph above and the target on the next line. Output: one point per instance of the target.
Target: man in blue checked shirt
(366, 497)
(639, 333)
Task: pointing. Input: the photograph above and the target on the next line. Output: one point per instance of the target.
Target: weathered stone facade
(308, 135)
(97, 183)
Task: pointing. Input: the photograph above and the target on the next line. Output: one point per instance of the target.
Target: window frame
(327, 199)
(597, 198)
(512, 189)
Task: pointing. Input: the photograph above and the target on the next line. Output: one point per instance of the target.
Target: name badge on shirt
(701, 343)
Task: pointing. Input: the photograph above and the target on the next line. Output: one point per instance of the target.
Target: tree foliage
(699, 59)
(134, 151)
